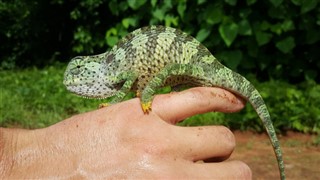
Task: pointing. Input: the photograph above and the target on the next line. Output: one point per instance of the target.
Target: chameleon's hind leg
(128, 78)
(190, 70)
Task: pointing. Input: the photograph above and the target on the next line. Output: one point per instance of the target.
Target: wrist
(28, 154)
(8, 147)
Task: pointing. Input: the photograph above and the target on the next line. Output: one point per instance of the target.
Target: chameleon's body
(153, 56)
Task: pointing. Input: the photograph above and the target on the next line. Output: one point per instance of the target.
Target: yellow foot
(146, 107)
(102, 105)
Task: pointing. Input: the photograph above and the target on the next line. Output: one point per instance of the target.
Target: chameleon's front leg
(129, 78)
(148, 92)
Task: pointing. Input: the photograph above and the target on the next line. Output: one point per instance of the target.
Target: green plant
(272, 39)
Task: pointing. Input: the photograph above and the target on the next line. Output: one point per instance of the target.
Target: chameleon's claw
(146, 107)
(102, 105)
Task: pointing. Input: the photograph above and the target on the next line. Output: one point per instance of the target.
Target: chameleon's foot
(102, 105)
(146, 107)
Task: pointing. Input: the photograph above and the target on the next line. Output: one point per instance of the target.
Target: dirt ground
(302, 159)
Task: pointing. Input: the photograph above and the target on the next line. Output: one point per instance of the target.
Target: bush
(272, 39)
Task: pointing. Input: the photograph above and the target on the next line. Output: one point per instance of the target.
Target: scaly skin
(154, 56)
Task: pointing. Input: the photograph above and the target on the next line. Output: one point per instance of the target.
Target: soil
(301, 156)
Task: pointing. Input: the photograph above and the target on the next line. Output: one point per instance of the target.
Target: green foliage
(274, 39)
(34, 98)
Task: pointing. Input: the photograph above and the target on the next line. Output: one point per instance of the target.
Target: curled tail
(257, 102)
(234, 82)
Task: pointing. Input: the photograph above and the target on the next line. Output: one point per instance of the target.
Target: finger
(201, 143)
(221, 170)
(175, 107)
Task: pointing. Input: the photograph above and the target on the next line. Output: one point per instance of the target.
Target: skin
(120, 141)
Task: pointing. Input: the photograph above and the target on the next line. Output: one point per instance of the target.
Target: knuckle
(244, 171)
(229, 138)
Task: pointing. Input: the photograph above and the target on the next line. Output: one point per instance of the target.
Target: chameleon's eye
(78, 69)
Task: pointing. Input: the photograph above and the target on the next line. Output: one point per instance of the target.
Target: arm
(121, 142)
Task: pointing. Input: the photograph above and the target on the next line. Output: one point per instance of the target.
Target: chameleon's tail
(225, 78)
(257, 102)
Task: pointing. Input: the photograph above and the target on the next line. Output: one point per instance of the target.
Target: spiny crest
(153, 29)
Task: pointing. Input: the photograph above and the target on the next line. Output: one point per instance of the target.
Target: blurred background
(273, 43)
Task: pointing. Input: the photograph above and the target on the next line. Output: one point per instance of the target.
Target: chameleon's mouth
(90, 92)
(90, 89)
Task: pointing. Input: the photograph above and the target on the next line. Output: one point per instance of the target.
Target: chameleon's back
(151, 48)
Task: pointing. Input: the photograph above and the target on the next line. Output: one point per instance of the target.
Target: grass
(34, 98)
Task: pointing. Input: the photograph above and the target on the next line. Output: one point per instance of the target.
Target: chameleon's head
(85, 76)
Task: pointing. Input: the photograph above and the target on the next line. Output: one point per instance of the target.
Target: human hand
(121, 142)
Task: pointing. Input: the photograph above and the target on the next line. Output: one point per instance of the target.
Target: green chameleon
(151, 57)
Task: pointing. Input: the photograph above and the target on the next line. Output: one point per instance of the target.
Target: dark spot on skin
(110, 58)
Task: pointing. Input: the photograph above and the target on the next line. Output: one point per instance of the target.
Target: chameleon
(155, 56)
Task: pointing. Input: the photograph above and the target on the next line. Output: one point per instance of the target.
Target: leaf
(245, 28)
(171, 20)
(232, 59)
(244, 13)
(75, 14)
(228, 32)
(250, 2)
(276, 3)
(308, 5)
(312, 36)
(202, 35)
(126, 22)
(111, 37)
(310, 74)
(158, 14)
(286, 45)
(112, 40)
(276, 28)
(111, 31)
(296, 2)
(182, 6)
(214, 16)
(168, 4)
(264, 25)
(136, 4)
(287, 25)
(153, 3)
(201, 2)
(262, 38)
(231, 2)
